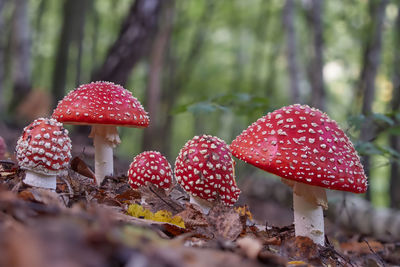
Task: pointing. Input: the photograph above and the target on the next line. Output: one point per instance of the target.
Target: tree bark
(316, 66)
(21, 40)
(178, 77)
(288, 21)
(74, 10)
(134, 40)
(395, 106)
(372, 58)
(154, 87)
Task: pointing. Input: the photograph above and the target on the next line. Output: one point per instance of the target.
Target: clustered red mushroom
(104, 106)
(150, 167)
(205, 169)
(44, 151)
(310, 152)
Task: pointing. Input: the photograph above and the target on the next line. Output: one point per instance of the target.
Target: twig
(332, 248)
(373, 252)
(71, 191)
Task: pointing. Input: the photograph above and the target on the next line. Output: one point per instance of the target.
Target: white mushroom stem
(203, 204)
(308, 203)
(105, 138)
(40, 180)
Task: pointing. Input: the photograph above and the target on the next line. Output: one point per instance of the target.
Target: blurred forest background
(213, 67)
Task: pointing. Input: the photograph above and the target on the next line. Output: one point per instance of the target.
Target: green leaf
(378, 117)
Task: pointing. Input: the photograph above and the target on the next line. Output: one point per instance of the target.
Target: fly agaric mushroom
(104, 106)
(205, 169)
(150, 167)
(44, 151)
(310, 152)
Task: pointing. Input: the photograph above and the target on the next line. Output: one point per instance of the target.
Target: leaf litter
(84, 225)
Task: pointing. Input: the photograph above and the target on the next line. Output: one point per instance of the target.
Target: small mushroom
(150, 167)
(104, 106)
(44, 151)
(205, 170)
(310, 152)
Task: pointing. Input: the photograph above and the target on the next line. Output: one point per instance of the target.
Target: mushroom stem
(105, 138)
(308, 217)
(204, 204)
(40, 180)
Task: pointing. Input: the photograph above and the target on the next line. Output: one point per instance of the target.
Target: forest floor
(82, 224)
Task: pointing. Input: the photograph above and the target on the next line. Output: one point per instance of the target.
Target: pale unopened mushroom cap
(205, 169)
(101, 103)
(150, 167)
(302, 144)
(44, 147)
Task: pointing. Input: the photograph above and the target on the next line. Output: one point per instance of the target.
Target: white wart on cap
(44, 149)
(104, 106)
(150, 167)
(205, 169)
(302, 144)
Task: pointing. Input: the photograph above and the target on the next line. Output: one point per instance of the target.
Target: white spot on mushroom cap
(150, 167)
(101, 103)
(325, 149)
(204, 168)
(35, 152)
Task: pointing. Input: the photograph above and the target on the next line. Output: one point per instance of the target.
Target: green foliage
(238, 103)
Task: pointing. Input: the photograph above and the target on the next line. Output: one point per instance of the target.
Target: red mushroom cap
(302, 144)
(205, 169)
(44, 147)
(150, 167)
(101, 103)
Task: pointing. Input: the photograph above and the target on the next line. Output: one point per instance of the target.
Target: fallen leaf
(138, 211)
(192, 217)
(79, 166)
(225, 222)
(362, 247)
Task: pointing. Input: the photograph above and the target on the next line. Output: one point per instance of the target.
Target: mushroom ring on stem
(44, 151)
(104, 106)
(205, 169)
(310, 152)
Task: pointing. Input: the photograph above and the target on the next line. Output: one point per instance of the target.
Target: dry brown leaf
(362, 247)
(156, 199)
(79, 166)
(192, 217)
(225, 222)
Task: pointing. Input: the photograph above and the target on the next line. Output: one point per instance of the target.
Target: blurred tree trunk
(395, 105)
(21, 51)
(262, 30)
(2, 56)
(371, 61)
(288, 21)
(154, 87)
(133, 43)
(314, 14)
(179, 77)
(38, 32)
(86, 7)
(73, 23)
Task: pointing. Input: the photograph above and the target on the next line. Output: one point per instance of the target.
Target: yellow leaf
(138, 211)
